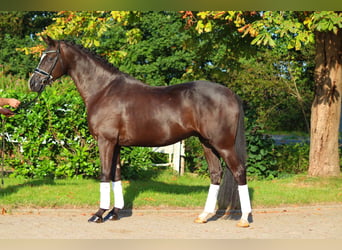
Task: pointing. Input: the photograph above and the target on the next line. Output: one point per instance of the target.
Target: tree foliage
(270, 28)
(24, 23)
(296, 30)
(161, 49)
(17, 32)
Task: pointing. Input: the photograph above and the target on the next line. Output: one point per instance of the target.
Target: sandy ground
(317, 222)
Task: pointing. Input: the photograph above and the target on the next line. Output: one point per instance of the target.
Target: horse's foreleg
(118, 201)
(106, 149)
(118, 195)
(117, 187)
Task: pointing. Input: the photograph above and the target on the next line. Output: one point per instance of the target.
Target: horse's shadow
(133, 190)
(229, 215)
(226, 213)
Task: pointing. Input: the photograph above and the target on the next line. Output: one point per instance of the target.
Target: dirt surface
(316, 222)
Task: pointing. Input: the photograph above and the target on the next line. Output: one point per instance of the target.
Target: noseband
(48, 76)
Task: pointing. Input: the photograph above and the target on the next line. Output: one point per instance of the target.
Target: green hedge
(262, 162)
(266, 160)
(51, 139)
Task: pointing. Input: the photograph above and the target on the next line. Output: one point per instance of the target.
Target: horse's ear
(48, 40)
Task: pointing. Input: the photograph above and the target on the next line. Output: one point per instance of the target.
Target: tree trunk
(326, 107)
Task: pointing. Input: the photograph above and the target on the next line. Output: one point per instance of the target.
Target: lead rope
(26, 105)
(3, 151)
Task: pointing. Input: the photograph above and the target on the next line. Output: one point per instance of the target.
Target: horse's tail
(228, 197)
(240, 139)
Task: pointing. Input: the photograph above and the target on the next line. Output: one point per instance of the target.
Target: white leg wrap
(118, 195)
(105, 195)
(210, 204)
(244, 201)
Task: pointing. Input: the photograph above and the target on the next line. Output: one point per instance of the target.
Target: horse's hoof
(95, 218)
(112, 216)
(243, 223)
(200, 220)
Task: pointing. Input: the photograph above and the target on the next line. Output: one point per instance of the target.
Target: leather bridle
(48, 77)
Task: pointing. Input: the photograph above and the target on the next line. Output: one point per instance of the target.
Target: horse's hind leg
(232, 160)
(215, 171)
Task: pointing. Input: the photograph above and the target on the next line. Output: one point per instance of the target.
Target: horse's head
(49, 68)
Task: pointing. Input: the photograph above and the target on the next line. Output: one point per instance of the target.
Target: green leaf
(208, 27)
(96, 43)
(200, 26)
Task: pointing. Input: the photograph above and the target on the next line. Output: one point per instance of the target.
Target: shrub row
(51, 139)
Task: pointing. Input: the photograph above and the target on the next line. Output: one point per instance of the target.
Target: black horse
(123, 111)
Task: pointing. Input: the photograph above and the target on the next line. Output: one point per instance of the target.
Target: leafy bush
(137, 163)
(194, 157)
(265, 159)
(51, 137)
(261, 162)
(292, 159)
(13, 61)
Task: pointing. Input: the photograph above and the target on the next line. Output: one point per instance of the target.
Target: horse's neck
(90, 78)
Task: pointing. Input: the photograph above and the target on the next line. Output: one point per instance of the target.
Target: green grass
(296, 190)
(166, 191)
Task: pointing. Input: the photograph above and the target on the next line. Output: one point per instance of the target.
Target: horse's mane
(104, 62)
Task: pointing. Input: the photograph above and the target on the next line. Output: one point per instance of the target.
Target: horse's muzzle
(37, 83)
